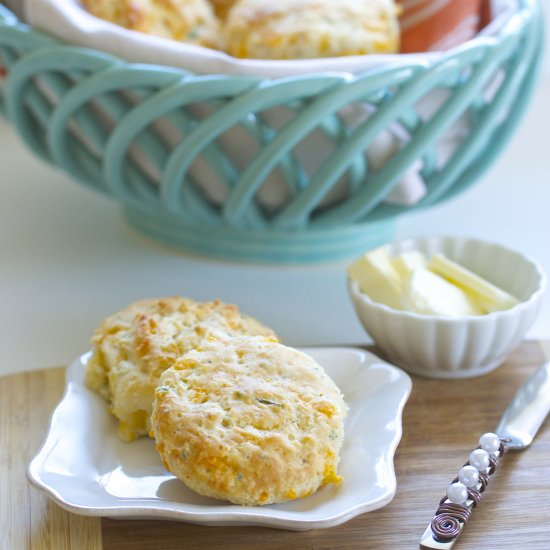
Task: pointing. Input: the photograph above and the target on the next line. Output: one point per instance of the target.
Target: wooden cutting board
(441, 424)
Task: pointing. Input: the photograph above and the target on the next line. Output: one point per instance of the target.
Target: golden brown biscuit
(133, 347)
(184, 20)
(303, 29)
(249, 420)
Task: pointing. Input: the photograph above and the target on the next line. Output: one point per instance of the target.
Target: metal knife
(515, 431)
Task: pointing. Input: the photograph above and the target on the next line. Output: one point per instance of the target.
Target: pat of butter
(428, 293)
(377, 277)
(487, 295)
(406, 262)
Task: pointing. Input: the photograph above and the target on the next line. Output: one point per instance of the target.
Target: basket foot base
(262, 246)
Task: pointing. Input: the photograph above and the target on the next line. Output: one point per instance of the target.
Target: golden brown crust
(133, 347)
(185, 20)
(222, 7)
(249, 420)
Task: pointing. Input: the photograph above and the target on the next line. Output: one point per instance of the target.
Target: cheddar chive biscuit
(249, 420)
(133, 347)
(303, 29)
(191, 21)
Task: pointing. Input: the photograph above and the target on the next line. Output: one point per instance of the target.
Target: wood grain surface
(441, 424)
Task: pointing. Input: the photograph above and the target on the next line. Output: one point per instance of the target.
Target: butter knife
(515, 431)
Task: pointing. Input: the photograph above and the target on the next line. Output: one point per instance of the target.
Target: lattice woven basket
(96, 116)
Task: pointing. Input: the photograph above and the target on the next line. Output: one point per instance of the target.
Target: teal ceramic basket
(147, 135)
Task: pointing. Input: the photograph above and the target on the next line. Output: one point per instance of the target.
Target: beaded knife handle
(516, 430)
(464, 493)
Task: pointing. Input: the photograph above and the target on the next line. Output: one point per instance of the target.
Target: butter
(427, 293)
(377, 277)
(406, 262)
(488, 296)
(438, 286)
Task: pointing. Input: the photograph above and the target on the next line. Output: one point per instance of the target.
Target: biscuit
(303, 29)
(133, 347)
(249, 420)
(191, 21)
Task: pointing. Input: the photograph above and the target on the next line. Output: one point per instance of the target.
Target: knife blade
(515, 431)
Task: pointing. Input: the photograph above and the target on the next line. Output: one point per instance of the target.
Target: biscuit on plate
(304, 29)
(249, 420)
(133, 347)
(191, 21)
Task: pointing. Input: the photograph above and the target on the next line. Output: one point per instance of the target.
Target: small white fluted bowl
(443, 347)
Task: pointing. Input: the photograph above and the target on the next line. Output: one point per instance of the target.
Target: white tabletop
(68, 259)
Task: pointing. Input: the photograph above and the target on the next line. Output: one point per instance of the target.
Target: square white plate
(86, 469)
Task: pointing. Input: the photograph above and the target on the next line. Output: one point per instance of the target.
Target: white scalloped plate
(86, 469)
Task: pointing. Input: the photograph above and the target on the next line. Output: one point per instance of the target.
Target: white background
(68, 259)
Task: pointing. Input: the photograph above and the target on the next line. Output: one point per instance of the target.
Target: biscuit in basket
(301, 29)
(133, 347)
(249, 420)
(191, 21)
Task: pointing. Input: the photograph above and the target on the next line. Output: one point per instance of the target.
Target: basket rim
(507, 24)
